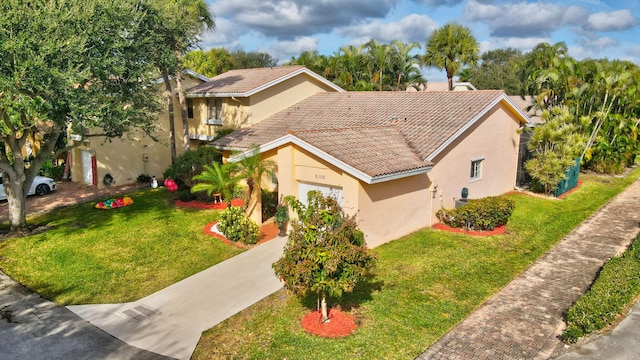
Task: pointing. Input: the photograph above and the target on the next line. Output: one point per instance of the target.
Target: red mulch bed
(497, 231)
(268, 231)
(340, 324)
(213, 206)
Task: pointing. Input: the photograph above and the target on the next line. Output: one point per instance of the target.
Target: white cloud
(612, 21)
(284, 50)
(524, 44)
(412, 28)
(524, 19)
(286, 19)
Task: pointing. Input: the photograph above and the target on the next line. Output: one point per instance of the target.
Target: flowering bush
(237, 227)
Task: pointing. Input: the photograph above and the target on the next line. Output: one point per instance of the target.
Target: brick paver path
(524, 319)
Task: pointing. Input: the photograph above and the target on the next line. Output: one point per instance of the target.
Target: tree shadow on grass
(362, 293)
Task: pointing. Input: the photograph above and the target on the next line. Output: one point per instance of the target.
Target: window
(476, 169)
(190, 108)
(214, 108)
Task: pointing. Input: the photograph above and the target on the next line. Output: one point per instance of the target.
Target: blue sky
(285, 28)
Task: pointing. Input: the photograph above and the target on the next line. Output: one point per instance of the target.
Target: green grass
(424, 284)
(111, 256)
(617, 285)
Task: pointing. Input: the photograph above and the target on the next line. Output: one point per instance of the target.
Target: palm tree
(217, 178)
(254, 169)
(405, 66)
(449, 48)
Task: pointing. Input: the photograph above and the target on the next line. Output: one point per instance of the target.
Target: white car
(41, 185)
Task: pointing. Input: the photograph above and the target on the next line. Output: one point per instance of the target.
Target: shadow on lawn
(79, 217)
(362, 293)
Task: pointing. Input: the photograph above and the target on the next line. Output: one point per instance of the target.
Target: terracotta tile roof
(374, 151)
(425, 119)
(242, 81)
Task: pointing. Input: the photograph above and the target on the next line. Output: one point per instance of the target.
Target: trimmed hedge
(479, 214)
(616, 286)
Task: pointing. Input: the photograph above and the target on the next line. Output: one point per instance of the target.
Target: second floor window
(214, 108)
(190, 108)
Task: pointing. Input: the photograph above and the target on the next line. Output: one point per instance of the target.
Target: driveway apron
(524, 319)
(170, 321)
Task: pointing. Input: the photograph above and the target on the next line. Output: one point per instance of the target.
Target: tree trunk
(16, 201)
(323, 308)
(183, 110)
(172, 125)
(253, 208)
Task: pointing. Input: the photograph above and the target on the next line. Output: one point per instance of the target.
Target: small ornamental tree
(555, 146)
(325, 253)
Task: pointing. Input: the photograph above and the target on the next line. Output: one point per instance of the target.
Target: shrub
(237, 227)
(143, 179)
(190, 164)
(616, 286)
(479, 214)
(51, 170)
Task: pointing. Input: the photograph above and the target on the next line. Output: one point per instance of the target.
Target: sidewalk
(524, 319)
(171, 321)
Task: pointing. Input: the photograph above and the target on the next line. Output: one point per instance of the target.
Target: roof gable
(246, 82)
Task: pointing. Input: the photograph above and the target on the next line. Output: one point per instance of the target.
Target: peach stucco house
(392, 158)
(234, 99)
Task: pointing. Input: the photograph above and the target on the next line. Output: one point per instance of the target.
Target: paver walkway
(170, 321)
(524, 319)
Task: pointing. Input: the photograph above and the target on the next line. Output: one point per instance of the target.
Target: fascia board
(287, 139)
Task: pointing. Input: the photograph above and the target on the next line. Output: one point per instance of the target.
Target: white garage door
(326, 190)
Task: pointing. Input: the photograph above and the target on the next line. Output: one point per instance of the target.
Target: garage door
(304, 188)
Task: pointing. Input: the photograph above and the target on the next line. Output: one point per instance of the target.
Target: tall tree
(209, 63)
(182, 23)
(450, 47)
(404, 66)
(84, 64)
(495, 70)
(252, 59)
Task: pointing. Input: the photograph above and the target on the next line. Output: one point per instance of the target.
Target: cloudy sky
(285, 28)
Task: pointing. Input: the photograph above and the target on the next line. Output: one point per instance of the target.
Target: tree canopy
(373, 66)
(325, 253)
(449, 48)
(77, 63)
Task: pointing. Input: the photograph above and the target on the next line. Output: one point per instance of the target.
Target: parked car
(41, 185)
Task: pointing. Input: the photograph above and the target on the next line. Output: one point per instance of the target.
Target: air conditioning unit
(213, 122)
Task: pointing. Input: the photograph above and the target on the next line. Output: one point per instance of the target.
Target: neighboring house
(100, 162)
(234, 99)
(243, 97)
(392, 158)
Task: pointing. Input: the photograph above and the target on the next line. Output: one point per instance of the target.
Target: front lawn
(424, 284)
(111, 256)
